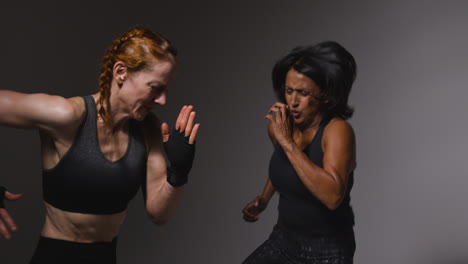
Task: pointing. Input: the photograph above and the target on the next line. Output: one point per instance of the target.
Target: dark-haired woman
(313, 160)
(98, 150)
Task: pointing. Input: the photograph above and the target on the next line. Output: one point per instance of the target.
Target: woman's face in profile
(301, 95)
(145, 89)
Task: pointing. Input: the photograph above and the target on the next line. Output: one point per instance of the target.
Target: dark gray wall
(410, 121)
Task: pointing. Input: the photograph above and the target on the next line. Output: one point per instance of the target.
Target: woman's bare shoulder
(338, 125)
(338, 130)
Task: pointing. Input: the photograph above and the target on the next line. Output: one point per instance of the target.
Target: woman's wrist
(176, 179)
(264, 198)
(287, 145)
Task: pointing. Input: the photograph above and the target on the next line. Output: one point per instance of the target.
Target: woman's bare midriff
(78, 227)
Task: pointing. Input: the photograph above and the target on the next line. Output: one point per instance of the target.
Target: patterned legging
(284, 248)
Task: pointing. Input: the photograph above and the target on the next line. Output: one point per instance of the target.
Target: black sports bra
(85, 181)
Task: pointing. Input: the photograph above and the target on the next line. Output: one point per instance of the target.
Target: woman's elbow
(157, 218)
(334, 196)
(159, 221)
(332, 206)
(332, 203)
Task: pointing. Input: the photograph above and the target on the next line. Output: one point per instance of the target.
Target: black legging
(285, 248)
(60, 251)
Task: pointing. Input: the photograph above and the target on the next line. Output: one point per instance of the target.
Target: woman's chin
(140, 116)
(141, 113)
(298, 121)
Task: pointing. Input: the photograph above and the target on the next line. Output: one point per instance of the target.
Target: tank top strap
(322, 126)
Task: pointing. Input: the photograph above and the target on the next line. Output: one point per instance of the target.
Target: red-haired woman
(99, 149)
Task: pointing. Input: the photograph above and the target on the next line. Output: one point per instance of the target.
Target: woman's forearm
(268, 191)
(161, 207)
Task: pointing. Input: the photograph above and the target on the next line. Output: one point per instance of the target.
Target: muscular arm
(52, 114)
(329, 183)
(253, 209)
(269, 190)
(161, 198)
(55, 117)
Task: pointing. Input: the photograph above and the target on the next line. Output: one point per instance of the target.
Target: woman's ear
(120, 72)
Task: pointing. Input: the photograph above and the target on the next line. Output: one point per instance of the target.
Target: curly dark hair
(330, 66)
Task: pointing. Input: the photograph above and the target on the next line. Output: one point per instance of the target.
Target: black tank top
(85, 181)
(298, 210)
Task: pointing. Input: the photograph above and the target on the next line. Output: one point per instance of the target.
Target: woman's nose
(161, 99)
(294, 99)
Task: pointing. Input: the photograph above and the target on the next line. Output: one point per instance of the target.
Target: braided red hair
(136, 48)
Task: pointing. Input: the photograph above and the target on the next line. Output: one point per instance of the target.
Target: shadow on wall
(445, 259)
(453, 250)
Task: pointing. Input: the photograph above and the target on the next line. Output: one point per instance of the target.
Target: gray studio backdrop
(410, 120)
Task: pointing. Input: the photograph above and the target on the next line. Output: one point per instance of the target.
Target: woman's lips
(295, 114)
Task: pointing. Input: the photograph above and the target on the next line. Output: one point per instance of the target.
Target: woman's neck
(118, 118)
(310, 127)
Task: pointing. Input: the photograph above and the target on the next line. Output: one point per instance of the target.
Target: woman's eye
(289, 91)
(156, 89)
